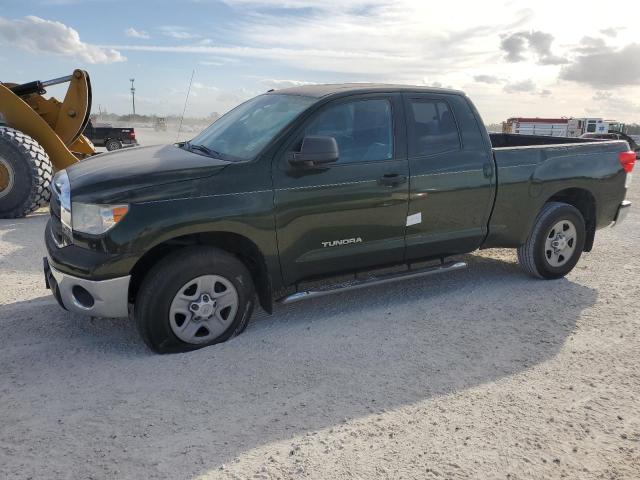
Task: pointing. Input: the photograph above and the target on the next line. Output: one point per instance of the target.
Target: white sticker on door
(414, 219)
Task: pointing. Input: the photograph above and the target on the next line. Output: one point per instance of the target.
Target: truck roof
(324, 90)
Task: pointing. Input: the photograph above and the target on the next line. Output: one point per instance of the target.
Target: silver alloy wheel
(560, 243)
(6, 178)
(203, 309)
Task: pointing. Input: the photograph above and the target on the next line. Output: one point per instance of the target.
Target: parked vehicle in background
(112, 138)
(317, 182)
(560, 127)
(160, 124)
(553, 127)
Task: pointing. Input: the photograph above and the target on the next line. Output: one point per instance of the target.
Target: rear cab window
(431, 127)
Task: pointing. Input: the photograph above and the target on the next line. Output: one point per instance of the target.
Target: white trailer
(560, 127)
(554, 127)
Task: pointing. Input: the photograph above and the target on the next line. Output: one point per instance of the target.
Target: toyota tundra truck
(112, 138)
(295, 190)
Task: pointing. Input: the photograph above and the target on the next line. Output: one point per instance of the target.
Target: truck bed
(532, 170)
(509, 140)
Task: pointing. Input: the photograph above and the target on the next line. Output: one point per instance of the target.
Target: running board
(367, 282)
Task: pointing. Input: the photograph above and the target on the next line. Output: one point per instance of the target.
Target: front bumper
(623, 211)
(101, 298)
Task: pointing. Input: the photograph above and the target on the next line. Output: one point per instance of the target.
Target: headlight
(63, 191)
(96, 219)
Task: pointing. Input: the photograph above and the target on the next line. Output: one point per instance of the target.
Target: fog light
(82, 296)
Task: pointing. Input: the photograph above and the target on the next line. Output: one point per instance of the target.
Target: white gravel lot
(484, 373)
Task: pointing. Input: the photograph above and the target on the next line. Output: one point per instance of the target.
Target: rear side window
(362, 128)
(432, 128)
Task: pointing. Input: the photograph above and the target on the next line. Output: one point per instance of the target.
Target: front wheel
(112, 145)
(556, 242)
(195, 297)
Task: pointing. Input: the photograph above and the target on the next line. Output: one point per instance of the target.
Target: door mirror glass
(316, 149)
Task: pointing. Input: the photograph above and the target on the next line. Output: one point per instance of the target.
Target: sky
(513, 58)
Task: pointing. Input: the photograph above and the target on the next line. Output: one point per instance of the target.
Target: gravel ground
(484, 373)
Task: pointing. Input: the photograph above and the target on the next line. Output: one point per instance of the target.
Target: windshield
(245, 130)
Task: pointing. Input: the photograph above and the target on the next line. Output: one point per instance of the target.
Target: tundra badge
(346, 241)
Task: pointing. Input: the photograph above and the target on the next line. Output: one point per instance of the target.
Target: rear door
(99, 135)
(452, 176)
(350, 214)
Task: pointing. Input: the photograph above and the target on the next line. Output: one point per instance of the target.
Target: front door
(350, 214)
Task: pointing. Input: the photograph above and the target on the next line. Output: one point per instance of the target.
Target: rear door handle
(392, 179)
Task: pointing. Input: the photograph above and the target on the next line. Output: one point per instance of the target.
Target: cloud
(37, 35)
(202, 86)
(605, 67)
(278, 83)
(486, 79)
(355, 44)
(210, 63)
(614, 106)
(514, 46)
(524, 86)
(218, 61)
(133, 33)
(589, 45)
(517, 45)
(177, 32)
(610, 32)
(348, 5)
(552, 60)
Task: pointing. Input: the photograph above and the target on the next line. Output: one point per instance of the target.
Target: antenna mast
(133, 97)
(185, 105)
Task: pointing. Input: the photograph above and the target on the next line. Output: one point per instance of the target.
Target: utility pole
(133, 96)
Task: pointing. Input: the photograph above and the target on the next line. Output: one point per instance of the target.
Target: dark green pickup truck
(314, 183)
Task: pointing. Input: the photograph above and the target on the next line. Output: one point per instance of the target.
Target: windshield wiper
(203, 149)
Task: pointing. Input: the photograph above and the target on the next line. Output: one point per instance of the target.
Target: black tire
(533, 256)
(162, 283)
(25, 174)
(112, 145)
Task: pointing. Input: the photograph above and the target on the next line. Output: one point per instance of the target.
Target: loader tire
(25, 174)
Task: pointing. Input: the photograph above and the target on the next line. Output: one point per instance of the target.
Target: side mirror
(316, 150)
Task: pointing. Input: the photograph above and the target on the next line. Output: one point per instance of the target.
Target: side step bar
(367, 282)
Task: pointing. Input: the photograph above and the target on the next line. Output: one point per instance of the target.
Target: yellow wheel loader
(39, 136)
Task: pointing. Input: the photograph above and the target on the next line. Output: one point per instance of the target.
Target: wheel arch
(242, 247)
(585, 202)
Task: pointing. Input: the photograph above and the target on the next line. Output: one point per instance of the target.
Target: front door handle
(487, 170)
(392, 179)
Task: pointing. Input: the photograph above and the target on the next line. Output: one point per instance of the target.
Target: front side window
(432, 128)
(243, 132)
(362, 128)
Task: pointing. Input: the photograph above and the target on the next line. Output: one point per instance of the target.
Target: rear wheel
(192, 298)
(25, 174)
(113, 145)
(556, 242)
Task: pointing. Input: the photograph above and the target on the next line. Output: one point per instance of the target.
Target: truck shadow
(309, 367)
(26, 236)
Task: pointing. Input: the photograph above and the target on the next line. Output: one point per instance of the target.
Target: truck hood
(110, 175)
